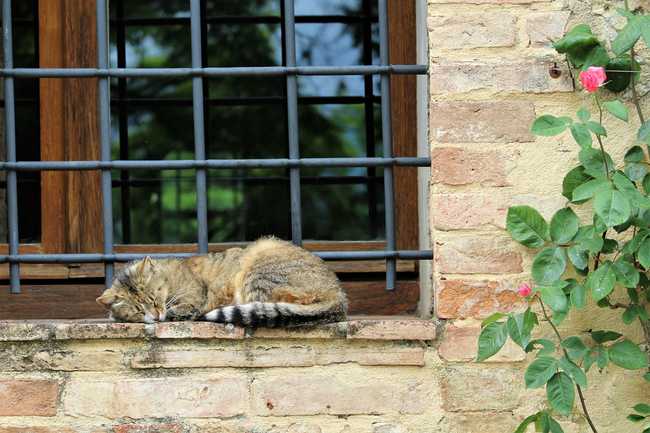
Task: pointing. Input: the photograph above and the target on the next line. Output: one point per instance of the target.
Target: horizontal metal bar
(213, 72)
(245, 19)
(125, 257)
(216, 163)
(242, 101)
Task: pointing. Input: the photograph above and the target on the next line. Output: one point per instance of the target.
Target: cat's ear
(146, 265)
(106, 299)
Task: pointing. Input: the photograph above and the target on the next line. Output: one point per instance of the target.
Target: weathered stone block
(543, 28)
(391, 329)
(477, 255)
(520, 77)
(363, 392)
(481, 122)
(467, 211)
(481, 388)
(149, 428)
(118, 397)
(28, 397)
(460, 344)
(472, 30)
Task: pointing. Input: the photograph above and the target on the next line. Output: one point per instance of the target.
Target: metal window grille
(294, 162)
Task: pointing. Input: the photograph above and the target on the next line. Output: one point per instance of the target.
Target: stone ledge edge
(389, 329)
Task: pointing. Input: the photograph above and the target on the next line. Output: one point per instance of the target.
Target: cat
(269, 283)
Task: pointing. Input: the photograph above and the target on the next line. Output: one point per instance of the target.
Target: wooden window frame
(69, 130)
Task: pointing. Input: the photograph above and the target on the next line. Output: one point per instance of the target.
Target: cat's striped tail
(274, 314)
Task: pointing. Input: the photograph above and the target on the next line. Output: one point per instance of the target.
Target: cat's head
(138, 293)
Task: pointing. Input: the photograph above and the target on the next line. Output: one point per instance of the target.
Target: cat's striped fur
(269, 283)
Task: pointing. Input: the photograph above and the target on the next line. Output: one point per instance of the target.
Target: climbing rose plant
(579, 262)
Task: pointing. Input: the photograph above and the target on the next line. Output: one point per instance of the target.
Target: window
(246, 117)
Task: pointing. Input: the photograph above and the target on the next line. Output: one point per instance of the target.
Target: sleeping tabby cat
(269, 283)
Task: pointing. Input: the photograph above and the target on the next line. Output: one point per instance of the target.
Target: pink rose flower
(593, 78)
(524, 290)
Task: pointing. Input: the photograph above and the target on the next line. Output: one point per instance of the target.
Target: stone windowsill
(359, 328)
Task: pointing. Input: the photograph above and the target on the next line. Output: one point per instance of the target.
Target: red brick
(475, 299)
(467, 211)
(477, 255)
(28, 397)
(481, 122)
(456, 166)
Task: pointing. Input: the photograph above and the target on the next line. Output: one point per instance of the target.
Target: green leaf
(628, 36)
(548, 126)
(578, 256)
(588, 239)
(627, 187)
(646, 184)
(491, 340)
(619, 81)
(547, 347)
(617, 109)
(583, 114)
(598, 355)
(527, 226)
(602, 281)
(644, 254)
(564, 226)
(630, 314)
(540, 371)
(634, 154)
(525, 423)
(596, 128)
(578, 38)
(581, 135)
(575, 348)
(554, 297)
(644, 132)
(636, 170)
(492, 318)
(548, 265)
(626, 273)
(605, 336)
(645, 30)
(592, 161)
(612, 206)
(555, 427)
(642, 408)
(574, 178)
(588, 189)
(628, 355)
(578, 296)
(596, 56)
(560, 393)
(574, 371)
(519, 328)
(635, 418)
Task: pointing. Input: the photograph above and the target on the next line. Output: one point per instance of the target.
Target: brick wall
(489, 62)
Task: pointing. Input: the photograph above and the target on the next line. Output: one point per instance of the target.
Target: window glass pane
(246, 117)
(25, 35)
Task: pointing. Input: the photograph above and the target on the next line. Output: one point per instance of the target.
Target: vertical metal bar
(105, 134)
(387, 142)
(199, 128)
(289, 21)
(369, 114)
(10, 141)
(123, 119)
